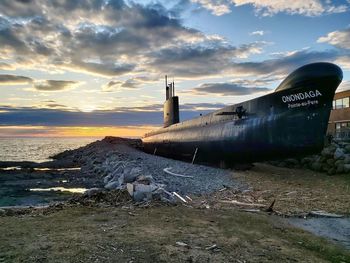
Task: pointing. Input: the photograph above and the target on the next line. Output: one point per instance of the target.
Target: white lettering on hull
(301, 96)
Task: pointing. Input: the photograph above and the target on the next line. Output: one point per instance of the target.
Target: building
(339, 120)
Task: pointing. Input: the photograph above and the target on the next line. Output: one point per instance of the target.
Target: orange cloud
(47, 131)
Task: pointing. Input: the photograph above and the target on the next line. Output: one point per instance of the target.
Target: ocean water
(38, 149)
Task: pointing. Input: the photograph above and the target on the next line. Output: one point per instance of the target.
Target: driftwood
(180, 197)
(270, 208)
(235, 202)
(175, 174)
(324, 214)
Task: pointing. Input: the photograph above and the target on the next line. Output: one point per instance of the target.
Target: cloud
(94, 36)
(55, 85)
(14, 80)
(339, 39)
(108, 38)
(257, 33)
(227, 89)
(216, 7)
(100, 69)
(343, 62)
(218, 61)
(201, 61)
(272, 7)
(120, 40)
(345, 85)
(283, 65)
(121, 116)
(113, 85)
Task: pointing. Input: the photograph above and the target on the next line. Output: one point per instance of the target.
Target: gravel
(102, 159)
(205, 179)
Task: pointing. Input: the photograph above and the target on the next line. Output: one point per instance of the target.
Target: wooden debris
(180, 197)
(270, 208)
(211, 247)
(235, 202)
(188, 198)
(251, 210)
(181, 244)
(324, 214)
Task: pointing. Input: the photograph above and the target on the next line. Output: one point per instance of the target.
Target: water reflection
(62, 189)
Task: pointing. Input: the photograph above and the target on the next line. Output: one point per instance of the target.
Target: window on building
(341, 103)
(342, 125)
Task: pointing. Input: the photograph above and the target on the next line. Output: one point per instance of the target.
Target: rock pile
(128, 175)
(114, 164)
(334, 159)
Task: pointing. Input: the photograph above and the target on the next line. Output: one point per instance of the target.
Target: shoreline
(294, 192)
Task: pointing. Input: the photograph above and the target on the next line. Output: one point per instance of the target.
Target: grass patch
(84, 234)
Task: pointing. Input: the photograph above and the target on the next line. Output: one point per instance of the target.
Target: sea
(38, 149)
(18, 191)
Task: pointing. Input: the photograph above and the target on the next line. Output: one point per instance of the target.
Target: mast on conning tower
(171, 105)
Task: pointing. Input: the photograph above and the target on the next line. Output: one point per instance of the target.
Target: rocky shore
(334, 159)
(118, 164)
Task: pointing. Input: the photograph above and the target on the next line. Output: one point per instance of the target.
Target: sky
(96, 67)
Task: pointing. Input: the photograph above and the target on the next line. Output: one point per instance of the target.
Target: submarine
(291, 121)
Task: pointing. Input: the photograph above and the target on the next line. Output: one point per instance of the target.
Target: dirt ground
(211, 228)
(158, 234)
(295, 191)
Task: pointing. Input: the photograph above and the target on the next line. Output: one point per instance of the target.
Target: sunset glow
(43, 131)
(65, 65)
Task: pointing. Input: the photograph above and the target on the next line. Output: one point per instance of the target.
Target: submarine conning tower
(171, 104)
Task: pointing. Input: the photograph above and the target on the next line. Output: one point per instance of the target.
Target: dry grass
(90, 234)
(296, 191)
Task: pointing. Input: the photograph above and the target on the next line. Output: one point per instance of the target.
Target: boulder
(347, 159)
(132, 175)
(323, 159)
(107, 178)
(145, 179)
(307, 160)
(325, 167)
(339, 162)
(316, 166)
(142, 192)
(130, 188)
(346, 168)
(145, 188)
(292, 162)
(331, 171)
(112, 185)
(327, 152)
(92, 191)
(347, 148)
(142, 196)
(340, 169)
(330, 162)
(2, 212)
(339, 154)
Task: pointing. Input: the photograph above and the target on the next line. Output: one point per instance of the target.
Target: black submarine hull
(292, 121)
